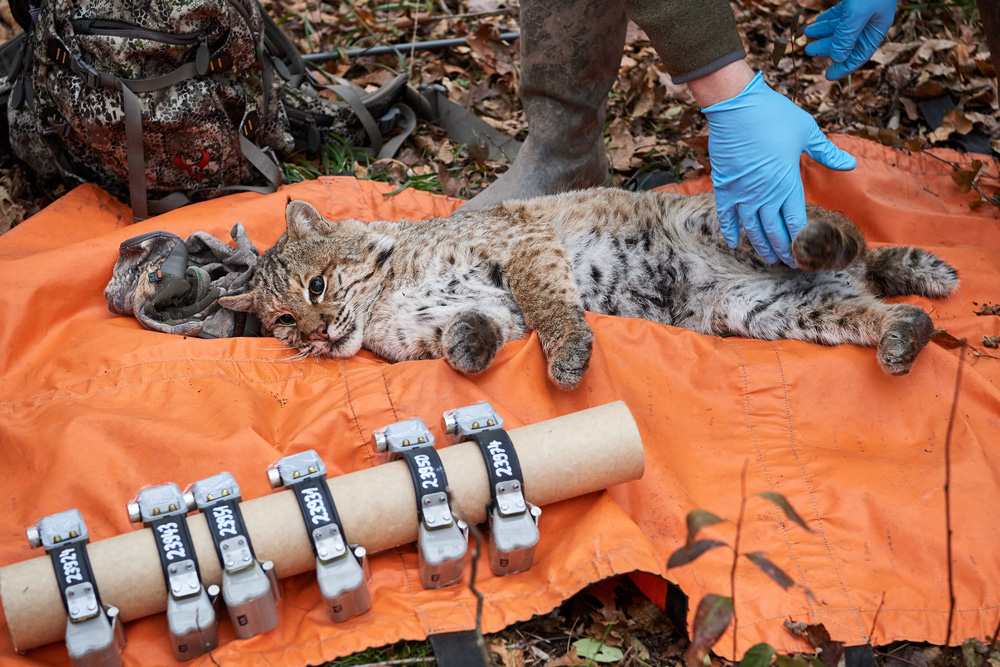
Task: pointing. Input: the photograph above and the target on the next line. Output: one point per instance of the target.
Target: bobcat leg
(900, 270)
(829, 241)
(899, 331)
(542, 285)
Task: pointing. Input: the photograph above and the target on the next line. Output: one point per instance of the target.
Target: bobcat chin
(463, 286)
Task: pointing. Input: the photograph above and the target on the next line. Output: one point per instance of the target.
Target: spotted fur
(461, 287)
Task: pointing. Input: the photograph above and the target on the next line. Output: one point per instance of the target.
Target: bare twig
(736, 549)
(871, 635)
(399, 661)
(882, 654)
(477, 537)
(947, 493)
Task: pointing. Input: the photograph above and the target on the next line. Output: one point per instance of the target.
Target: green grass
(411, 652)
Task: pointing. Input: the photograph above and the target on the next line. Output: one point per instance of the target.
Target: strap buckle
(513, 520)
(249, 587)
(342, 569)
(95, 634)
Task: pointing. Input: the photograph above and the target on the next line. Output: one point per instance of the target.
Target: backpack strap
(141, 206)
(381, 149)
(135, 153)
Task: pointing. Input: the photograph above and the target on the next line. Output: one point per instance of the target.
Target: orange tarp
(93, 407)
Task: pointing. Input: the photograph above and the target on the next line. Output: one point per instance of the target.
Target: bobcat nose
(319, 334)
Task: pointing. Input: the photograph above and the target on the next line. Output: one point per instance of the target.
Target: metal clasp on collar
(342, 569)
(392, 440)
(95, 634)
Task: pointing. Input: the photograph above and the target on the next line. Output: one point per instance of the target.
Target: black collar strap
(341, 568)
(442, 539)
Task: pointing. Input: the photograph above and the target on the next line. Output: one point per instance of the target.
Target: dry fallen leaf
(569, 659)
(511, 657)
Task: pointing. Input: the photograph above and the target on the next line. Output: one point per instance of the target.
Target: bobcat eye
(285, 320)
(316, 286)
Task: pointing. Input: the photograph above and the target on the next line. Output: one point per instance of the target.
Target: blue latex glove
(755, 141)
(848, 33)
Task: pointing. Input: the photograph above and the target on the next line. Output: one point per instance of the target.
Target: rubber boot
(570, 55)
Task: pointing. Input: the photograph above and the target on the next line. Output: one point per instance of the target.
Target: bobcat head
(313, 288)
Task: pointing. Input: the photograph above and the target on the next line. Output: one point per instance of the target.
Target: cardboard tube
(560, 458)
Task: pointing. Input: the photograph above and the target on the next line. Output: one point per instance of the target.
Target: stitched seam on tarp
(760, 456)
(812, 499)
(409, 589)
(315, 362)
(781, 521)
(385, 383)
(835, 610)
(231, 378)
(420, 214)
(354, 415)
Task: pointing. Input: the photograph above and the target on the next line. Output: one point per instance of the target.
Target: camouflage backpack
(167, 102)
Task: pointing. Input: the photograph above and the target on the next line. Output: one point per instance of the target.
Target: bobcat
(461, 287)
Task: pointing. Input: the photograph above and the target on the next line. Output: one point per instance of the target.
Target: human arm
(756, 137)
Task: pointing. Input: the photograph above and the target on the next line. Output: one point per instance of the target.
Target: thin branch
(477, 537)
(399, 661)
(736, 549)
(882, 654)
(947, 493)
(871, 635)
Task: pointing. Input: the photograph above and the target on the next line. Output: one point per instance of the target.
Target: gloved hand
(849, 32)
(755, 140)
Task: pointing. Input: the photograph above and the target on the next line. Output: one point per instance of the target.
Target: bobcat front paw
(903, 340)
(470, 341)
(821, 246)
(568, 361)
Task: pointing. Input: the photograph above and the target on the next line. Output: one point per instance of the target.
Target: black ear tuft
(382, 246)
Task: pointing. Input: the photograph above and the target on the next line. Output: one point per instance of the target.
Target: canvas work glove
(755, 140)
(173, 286)
(848, 33)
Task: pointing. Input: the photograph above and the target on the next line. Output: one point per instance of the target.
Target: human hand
(849, 32)
(755, 140)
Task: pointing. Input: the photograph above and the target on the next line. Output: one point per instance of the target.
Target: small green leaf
(758, 655)
(783, 503)
(710, 621)
(688, 553)
(698, 519)
(777, 575)
(597, 650)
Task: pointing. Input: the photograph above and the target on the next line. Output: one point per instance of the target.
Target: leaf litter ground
(931, 84)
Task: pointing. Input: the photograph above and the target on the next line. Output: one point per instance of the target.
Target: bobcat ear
(241, 303)
(304, 221)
